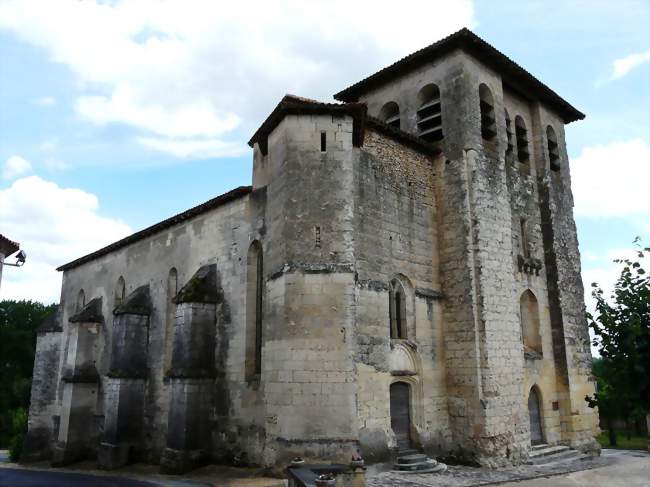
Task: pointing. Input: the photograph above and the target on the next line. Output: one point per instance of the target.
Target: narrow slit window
(511, 146)
(120, 291)
(429, 114)
(390, 114)
(524, 238)
(522, 140)
(488, 120)
(323, 141)
(397, 310)
(317, 236)
(254, 310)
(553, 151)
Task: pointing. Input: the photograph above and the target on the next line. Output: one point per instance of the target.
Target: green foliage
(18, 323)
(622, 328)
(633, 442)
(19, 427)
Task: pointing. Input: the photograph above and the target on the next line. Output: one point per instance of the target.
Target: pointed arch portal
(400, 413)
(535, 413)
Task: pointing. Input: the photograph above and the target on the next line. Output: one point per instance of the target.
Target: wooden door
(400, 413)
(536, 436)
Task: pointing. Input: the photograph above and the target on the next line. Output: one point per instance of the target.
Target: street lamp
(8, 247)
(21, 257)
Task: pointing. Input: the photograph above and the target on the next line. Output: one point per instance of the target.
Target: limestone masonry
(403, 273)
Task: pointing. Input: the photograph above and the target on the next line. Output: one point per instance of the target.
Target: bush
(19, 429)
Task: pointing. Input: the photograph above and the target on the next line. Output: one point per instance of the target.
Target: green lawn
(634, 443)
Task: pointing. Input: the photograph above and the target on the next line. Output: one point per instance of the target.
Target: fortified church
(403, 273)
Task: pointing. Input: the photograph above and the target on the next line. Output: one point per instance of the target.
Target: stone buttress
(80, 384)
(126, 383)
(192, 373)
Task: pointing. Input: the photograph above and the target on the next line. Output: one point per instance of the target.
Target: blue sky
(119, 114)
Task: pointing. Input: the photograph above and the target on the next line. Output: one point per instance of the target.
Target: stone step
(548, 450)
(428, 466)
(541, 446)
(558, 457)
(412, 459)
(424, 464)
(408, 451)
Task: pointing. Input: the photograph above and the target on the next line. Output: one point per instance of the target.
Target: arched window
(509, 133)
(529, 315)
(522, 140)
(488, 120)
(390, 114)
(429, 113)
(553, 152)
(170, 316)
(254, 310)
(397, 310)
(120, 290)
(81, 300)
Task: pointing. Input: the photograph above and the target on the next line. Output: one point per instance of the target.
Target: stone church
(403, 272)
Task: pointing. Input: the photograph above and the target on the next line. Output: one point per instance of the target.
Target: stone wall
(222, 237)
(307, 373)
(396, 237)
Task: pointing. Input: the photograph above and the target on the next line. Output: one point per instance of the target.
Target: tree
(622, 334)
(18, 323)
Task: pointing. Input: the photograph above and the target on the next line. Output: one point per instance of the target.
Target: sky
(115, 115)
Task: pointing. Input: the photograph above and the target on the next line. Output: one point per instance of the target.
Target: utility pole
(8, 247)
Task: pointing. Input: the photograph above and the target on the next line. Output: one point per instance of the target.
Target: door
(400, 413)
(535, 414)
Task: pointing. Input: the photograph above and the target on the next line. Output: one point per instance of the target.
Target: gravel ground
(460, 476)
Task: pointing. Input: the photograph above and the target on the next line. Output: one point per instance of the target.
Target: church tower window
(553, 152)
(390, 114)
(522, 140)
(429, 113)
(488, 120)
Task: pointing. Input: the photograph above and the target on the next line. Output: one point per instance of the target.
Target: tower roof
(8, 247)
(513, 75)
(297, 105)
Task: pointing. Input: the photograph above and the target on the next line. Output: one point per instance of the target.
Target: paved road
(10, 477)
(632, 469)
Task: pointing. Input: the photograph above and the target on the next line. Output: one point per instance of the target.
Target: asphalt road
(10, 477)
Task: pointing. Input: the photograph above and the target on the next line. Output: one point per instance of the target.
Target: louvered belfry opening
(522, 140)
(429, 114)
(488, 119)
(390, 114)
(553, 150)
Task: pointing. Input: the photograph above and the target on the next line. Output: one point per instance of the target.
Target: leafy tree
(622, 329)
(18, 323)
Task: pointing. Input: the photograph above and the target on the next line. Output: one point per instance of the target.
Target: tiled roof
(291, 104)
(296, 105)
(8, 247)
(512, 74)
(174, 220)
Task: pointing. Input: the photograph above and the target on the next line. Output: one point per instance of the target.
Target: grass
(635, 442)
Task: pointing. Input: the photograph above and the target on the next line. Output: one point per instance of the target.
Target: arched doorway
(400, 413)
(535, 413)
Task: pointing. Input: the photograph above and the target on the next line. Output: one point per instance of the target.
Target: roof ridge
(157, 227)
(469, 41)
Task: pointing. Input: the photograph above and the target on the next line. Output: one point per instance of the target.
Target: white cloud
(46, 101)
(53, 225)
(212, 70)
(612, 180)
(621, 67)
(15, 166)
(194, 148)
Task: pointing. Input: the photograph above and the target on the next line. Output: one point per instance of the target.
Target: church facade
(403, 272)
